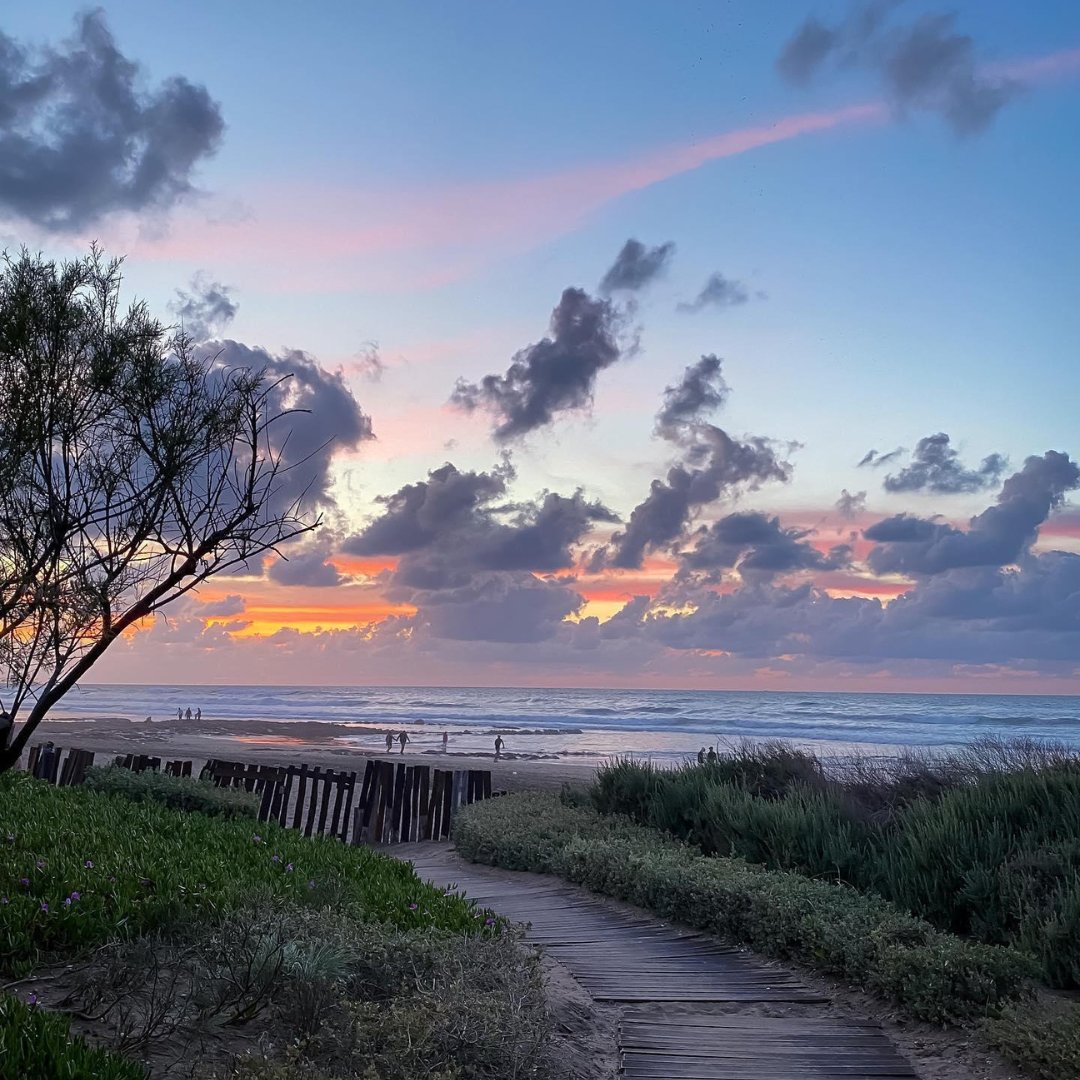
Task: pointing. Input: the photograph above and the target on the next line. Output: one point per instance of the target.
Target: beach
(311, 743)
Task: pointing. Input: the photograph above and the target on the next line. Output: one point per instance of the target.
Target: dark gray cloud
(759, 547)
(205, 310)
(936, 467)
(851, 504)
(306, 565)
(455, 525)
(1000, 536)
(329, 418)
(924, 65)
(875, 460)
(718, 291)
(635, 266)
(79, 137)
(701, 390)
(556, 374)
(714, 464)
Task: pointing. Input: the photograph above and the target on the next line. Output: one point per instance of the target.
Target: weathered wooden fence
(393, 803)
(396, 803)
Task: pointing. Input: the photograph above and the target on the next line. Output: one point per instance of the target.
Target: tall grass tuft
(984, 841)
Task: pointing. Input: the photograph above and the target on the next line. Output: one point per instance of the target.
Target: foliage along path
(691, 1008)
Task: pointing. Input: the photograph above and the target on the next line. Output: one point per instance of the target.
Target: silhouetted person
(498, 746)
(403, 738)
(187, 715)
(389, 742)
(6, 724)
(198, 714)
(179, 714)
(701, 756)
(711, 756)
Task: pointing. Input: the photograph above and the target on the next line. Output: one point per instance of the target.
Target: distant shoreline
(313, 744)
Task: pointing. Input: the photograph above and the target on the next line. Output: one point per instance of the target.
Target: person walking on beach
(198, 714)
(701, 756)
(403, 738)
(711, 755)
(445, 740)
(498, 746)
(187, 715)
(389, 742)
(179, 714)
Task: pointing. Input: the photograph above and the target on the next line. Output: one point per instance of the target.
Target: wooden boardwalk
(635, 959)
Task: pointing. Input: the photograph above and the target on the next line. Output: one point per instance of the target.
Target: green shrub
(1043, 1038)
(79, 868)
(834, 928)
(177, 792)
(36, 1045)
(983, 842)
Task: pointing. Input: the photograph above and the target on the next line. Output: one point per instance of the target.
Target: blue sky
(903, 280)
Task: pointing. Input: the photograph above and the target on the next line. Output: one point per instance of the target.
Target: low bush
(834, 928)
(325, 995)
(36, 1045)
(983, 842)
(177, 792)
(79, 868)
(1043, 1038)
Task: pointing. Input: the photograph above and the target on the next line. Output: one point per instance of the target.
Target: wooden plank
(406, 778)
(302, 774)
(395, 806)
(329, 781)
(447, 802)
(346, 817)
(423, 805)
(313, 800)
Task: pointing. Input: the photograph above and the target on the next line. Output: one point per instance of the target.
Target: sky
(710, 346)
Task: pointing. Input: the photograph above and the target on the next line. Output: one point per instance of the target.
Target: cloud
(636, 266)
(455, 525)
(936, 467)
(718, 291)
(759, 547)
(850, 505)
(1000, 536)
(368, 362)
(306, 565)
(701, 391)
(79, 138)
(557, 374)
(712, 465)
(226, 607)
(924, 65)
(876, 460)
(206, 310)
(326, 417)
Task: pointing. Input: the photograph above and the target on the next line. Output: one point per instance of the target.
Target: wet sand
(306, 743)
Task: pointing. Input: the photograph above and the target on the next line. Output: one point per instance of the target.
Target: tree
(131, 470)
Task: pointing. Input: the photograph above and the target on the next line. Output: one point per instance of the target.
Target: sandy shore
(262, 742)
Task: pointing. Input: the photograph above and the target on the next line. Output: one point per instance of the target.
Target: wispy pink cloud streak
(431, 236)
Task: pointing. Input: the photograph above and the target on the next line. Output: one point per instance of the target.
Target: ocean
(589, 725)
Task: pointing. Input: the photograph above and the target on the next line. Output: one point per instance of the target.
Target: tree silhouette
(131, 470)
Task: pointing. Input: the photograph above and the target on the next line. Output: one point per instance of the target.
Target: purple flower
(275, 858)
(412, 907)
(45, 906)
(40, 864)
(67, 901)
(489, 921)
(24, 882)
(288, 868)
(31, 999)
(256, 839)
(89, 864)
(75, 895)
